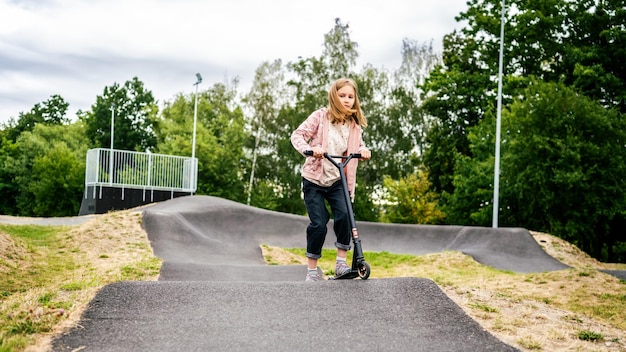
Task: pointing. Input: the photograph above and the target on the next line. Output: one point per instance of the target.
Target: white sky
(75, 48)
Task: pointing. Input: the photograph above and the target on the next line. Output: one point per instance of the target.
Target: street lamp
(496, 169)
(195, 116)
(112, 134)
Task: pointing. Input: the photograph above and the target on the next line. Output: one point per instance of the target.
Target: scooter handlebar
(353, 155)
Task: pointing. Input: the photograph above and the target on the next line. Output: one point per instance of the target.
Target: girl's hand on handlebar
(365, 154)
(318, 152)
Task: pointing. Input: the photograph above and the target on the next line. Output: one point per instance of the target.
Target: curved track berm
(193, 234)
(216, 293)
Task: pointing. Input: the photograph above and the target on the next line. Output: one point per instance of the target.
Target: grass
(48, 275)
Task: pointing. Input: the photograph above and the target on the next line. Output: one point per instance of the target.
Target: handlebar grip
(308, 152)
(356, 155)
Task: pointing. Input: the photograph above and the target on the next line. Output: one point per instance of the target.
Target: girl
(336, 130)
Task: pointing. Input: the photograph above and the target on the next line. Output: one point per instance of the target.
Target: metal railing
(127, 169)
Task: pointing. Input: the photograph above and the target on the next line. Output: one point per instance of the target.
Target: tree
(456, 94)
(595, 51)
(134, 111)
(563, 161)
(313, 76)
(418, 60)
(58, 181)
(580, 43)
(264, 101)
(47, 166)
(51, 112)
(398, 123)
(9, 191)
(410, 201)
(471, 202)
(220, 137)
(340, 52)
(566, 164)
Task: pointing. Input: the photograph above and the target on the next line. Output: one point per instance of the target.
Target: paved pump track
(215, 292)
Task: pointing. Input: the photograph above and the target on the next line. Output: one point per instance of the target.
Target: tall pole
(496, 169)
(193, 140)
(195, 117)
(112, 134)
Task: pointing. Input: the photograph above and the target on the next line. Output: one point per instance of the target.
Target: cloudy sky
(75, 48)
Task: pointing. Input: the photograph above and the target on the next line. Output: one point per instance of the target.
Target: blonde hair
(337, 112)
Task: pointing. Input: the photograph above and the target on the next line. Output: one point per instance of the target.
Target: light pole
(195, 117)
(112, 134)
(496, 169)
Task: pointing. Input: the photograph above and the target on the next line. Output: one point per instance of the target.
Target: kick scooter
(360, 268)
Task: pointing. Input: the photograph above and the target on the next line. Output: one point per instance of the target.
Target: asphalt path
(404, 314)
(60, 221)
(215, 292)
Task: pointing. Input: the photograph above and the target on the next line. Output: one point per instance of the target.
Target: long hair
(338, 113)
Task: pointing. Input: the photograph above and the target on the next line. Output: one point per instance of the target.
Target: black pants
(315, 198)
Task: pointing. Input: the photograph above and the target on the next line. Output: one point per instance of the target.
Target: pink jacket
(313, 132)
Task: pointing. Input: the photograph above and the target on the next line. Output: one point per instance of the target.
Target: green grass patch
(587, 335)
(141, 269)
(483, 307)
(34, 234)
(44, 265)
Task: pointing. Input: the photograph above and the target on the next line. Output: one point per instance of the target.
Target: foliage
(49, 112)
(410, 201)
(47, 168)
(58, 181)
(570, 150)
(578, 43)
(596, 49)
(471, 202)
(220, 139)
(9, 189)
(264, 101)
(456, 94)
(133, 111)
(562, 160)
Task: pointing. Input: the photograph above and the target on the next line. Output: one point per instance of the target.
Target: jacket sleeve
(301, 137)
(362, 144)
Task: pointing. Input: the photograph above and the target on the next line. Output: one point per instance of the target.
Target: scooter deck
(347, 276)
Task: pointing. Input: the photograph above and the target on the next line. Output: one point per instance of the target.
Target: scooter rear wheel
(364, 270)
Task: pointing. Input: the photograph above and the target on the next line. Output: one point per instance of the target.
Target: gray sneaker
(312, 276)
(341, 269)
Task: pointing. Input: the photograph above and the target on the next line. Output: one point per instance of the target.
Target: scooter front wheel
(364, 270)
